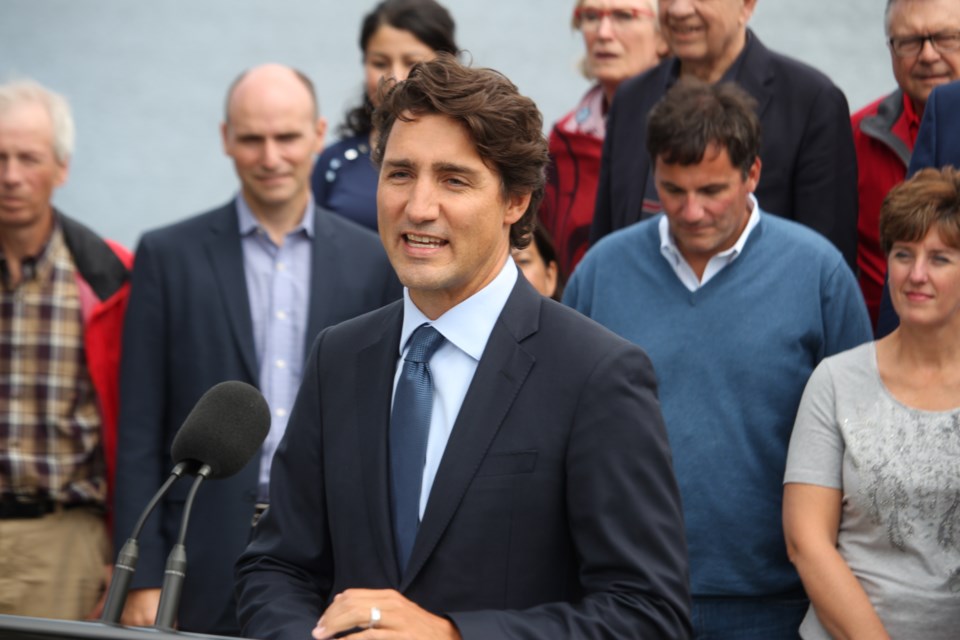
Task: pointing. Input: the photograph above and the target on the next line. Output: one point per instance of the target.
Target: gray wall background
(146, 77)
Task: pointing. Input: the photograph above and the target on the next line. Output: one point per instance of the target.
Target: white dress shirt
(467, 328)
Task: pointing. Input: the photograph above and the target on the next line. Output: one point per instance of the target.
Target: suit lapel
(502, 370)
(324, 272)
(640, 174)
(636, 196)
(226, 258)
(756, 74)
(376, 364)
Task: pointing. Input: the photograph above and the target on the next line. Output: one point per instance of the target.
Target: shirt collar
(588, 116)
(467, 325)
(37, 266)
(907, 127)
(911, 114)
(669, 248)
(249, 223)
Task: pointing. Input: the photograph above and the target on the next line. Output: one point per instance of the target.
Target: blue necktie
(409, 428)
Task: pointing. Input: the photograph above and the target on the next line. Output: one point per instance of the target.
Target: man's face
(442, 217)
(705, 33)
(272, 137)
(706, 203)
(29, 169)
(917, 75)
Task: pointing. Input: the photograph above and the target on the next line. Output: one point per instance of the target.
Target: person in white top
(871, 504)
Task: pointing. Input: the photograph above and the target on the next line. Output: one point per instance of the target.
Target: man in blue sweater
(735, 307)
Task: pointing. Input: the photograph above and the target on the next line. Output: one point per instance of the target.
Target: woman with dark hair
(394, 36)
(871, 504)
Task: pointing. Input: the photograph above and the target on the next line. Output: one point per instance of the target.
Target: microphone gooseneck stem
(126, 563)
(175, 474)
(120, 582)
(176, 569)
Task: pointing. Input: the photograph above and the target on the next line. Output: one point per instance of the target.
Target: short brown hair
(693, 115)
(930, 198)
(506, 127)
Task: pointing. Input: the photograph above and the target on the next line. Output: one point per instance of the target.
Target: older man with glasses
(924, 41)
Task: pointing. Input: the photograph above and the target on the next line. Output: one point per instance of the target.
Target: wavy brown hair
(505, 127)
(930, 198)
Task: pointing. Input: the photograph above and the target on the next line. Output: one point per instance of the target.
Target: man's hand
(141, 607)
(400, 619)
(97, 610)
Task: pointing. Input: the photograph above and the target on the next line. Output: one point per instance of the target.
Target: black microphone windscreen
(225, 428)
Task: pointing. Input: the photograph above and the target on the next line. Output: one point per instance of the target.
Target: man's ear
(63, 172)
(746, 11)
(753, 175)
(516, 206)
(321, 129)
(225, 137)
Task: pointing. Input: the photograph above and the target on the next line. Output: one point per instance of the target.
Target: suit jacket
(937, 146)
(188, 327)
(554, 513)
(809, 169)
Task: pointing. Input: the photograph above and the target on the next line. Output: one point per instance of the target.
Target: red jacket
(571, 192)
(884, 133)
(103, 269)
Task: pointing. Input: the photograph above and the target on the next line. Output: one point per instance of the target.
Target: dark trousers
(767, 618)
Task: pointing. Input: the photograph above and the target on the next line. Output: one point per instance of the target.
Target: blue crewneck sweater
(732, 360)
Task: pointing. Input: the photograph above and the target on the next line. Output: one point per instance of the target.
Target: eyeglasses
(589, 18)
(910, 46)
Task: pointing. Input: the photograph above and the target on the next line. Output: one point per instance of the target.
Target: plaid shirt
(49, 419)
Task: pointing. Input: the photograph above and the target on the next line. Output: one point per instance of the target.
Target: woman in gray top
(871, 505)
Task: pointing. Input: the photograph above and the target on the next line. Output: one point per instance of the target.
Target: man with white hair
(63, 293)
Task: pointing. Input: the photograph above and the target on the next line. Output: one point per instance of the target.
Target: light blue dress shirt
(467, 328)
(278, 287)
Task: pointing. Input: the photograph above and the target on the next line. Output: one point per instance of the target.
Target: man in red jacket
(924, 41)
(63, 292)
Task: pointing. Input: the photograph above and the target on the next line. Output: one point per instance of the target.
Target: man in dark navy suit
(237, 293)
(475, 461)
